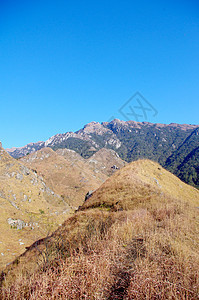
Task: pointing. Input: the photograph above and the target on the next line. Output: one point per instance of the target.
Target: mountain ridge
(70, 133)
(131, 140)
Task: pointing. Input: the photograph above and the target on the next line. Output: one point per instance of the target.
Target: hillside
(105, 161)
(131, 141)
(185, 163)
(66, 175)
(136, 237)
(29, 208)
(140, 181)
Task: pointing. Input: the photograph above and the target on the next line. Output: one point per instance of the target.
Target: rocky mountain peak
(93, 127)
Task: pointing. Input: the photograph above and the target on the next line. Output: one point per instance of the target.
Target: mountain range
(174, 146)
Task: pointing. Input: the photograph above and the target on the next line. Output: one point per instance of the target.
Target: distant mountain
(131, 141)
(106, 160)
(22, 151)
(184, 162)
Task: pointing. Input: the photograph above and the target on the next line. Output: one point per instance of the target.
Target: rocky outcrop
(18, 224)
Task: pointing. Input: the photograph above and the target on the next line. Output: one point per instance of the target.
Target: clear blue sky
(66, 63)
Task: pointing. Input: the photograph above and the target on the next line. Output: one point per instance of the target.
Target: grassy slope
(143, 247)
(101, 162)
(104, 160)
(138, 184)
(69, 178)
(25, 196)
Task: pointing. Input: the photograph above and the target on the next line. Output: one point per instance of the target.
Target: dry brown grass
(121, 255)
(139, 184)
(146, 252)
(66, 175)
(26, 198)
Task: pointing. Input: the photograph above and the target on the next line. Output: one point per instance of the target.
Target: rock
(88, 195)
(24, 170)
(13, 204)
(18, 224)
(114, 167)
(19, 176)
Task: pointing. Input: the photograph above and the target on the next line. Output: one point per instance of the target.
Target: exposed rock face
(88, 195)
(93, 127)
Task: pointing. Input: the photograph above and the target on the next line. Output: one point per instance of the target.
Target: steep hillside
(105, 161)
(188, 171)
(29, 208)
(70, 155)
(139, 181)
(132, 140)
(185, 163)
(136, 237)
(66, 174)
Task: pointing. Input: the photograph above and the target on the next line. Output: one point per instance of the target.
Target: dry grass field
(29, 208)
(137, 237)
(66, 175)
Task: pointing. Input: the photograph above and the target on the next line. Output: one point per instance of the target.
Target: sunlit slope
(140, 182)
(70, 178)
(137, 237)
(29, 208)
(105, 161)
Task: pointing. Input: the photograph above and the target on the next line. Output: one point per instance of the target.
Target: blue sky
(66, 63)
